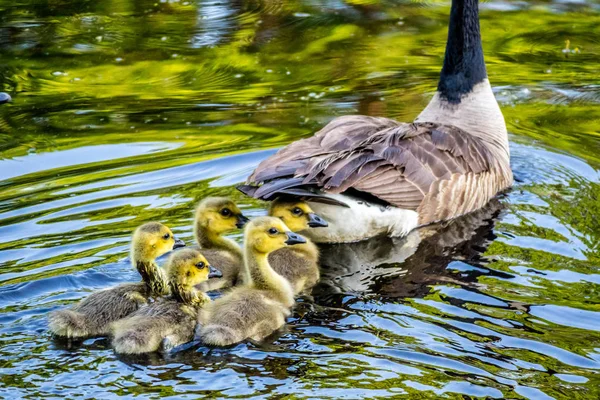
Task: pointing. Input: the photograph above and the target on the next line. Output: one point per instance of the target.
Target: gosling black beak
(315, 221)
(213, 272)
(241, 221)
(178, 243)
(294, 238)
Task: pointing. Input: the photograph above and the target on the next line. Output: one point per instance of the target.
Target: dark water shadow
(406, 267)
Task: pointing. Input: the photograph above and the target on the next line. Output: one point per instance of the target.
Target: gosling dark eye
(297, 211)
(166, 236)
(226, 212)
(200, 265)
(273, 231)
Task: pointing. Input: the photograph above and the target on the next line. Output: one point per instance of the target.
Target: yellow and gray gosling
(169, 321)
(214, 217)
(298, 264)
(260, 306)
(92, 316)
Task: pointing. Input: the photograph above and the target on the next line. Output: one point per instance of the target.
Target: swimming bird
(298, 264)
(214, 217)
(369, 176)
(93, 315)
(259, 307)
(167, 321)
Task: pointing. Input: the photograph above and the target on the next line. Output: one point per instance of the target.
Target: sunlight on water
(129, 111)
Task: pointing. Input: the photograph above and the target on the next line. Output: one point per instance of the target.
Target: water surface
(129, 111)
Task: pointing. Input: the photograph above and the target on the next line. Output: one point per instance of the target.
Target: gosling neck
(186, 294)
(207, 239)
(152, 275)
(308, 248)
(263, 277)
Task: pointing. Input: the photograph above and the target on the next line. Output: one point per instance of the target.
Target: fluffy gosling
(260, 306)
(92, 316)
(214, 217)
(170, 321)
(298, 264)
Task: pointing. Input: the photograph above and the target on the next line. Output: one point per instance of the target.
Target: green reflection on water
(127, 111)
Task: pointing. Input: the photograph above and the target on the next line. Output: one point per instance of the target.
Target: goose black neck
(464, 66)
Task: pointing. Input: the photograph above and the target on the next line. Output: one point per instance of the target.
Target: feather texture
(437, 170)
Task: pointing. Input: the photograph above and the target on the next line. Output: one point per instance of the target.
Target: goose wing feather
(401, 164)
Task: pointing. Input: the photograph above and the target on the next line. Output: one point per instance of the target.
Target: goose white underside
(361, 220)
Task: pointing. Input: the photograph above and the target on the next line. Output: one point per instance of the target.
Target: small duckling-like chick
(170, 321)
(92, 316)
(216, 216)
(260, 306)
(297, 264)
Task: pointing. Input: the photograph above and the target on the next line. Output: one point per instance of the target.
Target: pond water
(128, 111)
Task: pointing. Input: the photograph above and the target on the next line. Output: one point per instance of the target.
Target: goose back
(437, 170)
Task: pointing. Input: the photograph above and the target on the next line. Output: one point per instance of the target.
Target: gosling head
(267, 234)
(188, 267)
(219, 215)
(297, 215)
(152, 240)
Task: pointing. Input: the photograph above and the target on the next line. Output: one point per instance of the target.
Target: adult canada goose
(167, 321)
(214, 217)
(368, 176)
(92, 316)
(298, 264)
(259, 307)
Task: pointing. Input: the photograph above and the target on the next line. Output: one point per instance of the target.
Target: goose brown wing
(339, 135)
(434, 169)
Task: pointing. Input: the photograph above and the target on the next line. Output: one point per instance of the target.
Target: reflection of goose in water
(352, 267)
(404, 267)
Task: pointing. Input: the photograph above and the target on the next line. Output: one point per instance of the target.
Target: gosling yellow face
(296, 215)
(188, 267)
(267, 234)
(219, 215)
(152, 240)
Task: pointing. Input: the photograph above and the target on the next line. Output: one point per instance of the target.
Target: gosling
(168, 322)
(298, 264)
(216, 216)
(259, 307)
(92, 316)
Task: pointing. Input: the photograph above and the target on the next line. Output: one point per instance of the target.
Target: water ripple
(126, 112)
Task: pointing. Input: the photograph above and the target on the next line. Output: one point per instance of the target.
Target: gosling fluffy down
(214, 217)
(170, 321)
(93, 315)
(258, 308)
(298, 264)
